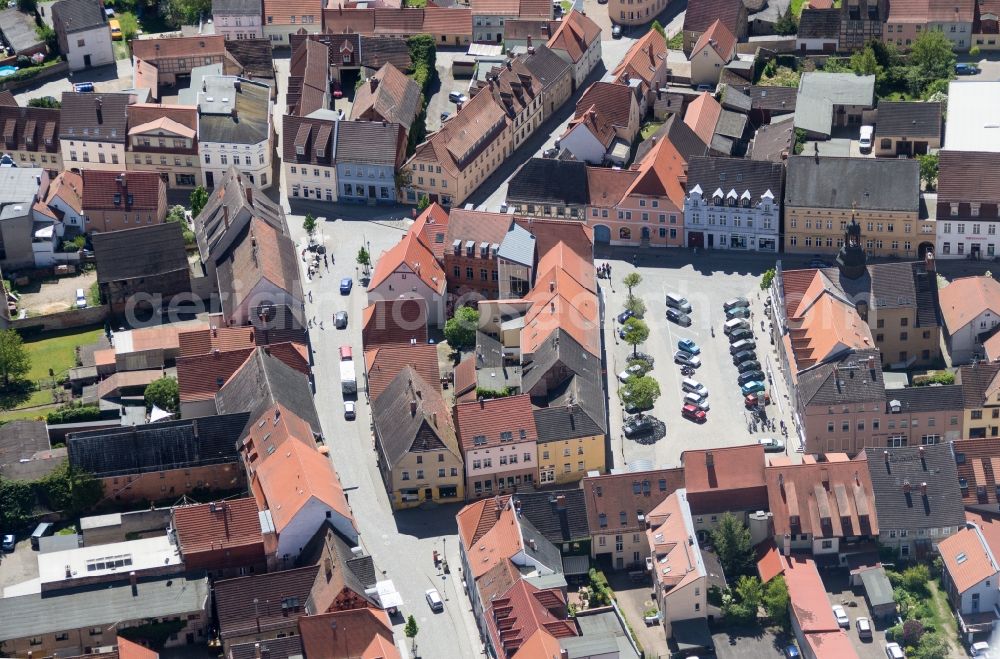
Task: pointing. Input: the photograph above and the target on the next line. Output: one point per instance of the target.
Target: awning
(691, 634)
(158, 415)
(574, 565)
(385, 593)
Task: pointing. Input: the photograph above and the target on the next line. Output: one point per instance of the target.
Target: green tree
(636, 306)
(187, 12)
(70, 490)
(800, 141)
(164, 394)
(864, 63)
(364, 259)
(411, 630)
(178, 214)
(423, 203)
(766, 279)
(309, 224)
(631, 280)
(44, 102)
(929, 169)
(741, 603)
(640, 391)
(731, 539)
(786, 23)
(17, 500)
(129, 25)
(776, 600)
(15, 362)
(915, 579)
(198, 199)
(636, 332)
(460, 330)
(933, 57)
(932, 646)
(48, 35)
(656, 27)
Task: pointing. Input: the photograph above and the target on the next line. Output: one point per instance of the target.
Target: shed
(878, 593)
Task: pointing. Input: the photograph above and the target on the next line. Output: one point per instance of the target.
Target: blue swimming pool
(7, 71)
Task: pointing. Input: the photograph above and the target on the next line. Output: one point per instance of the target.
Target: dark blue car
(345, 285)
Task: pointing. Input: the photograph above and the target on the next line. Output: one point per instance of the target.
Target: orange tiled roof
(968, 558)
(574, 35)
(293, 477)
(224, 339)
(644, 58)
(282, 11)
(68, 186)
(607, 187)
(661, 174)
(431, 227)
(810, 604)
(394, 322)
(702, 115)
(352, 634)
(667, 536)
(416, 257)
(823, 322)
(475, 519)
(217, 526)
(267, 433)
(966, 297)
(130, 650)
(490, 418)
(719, 38)
(151, 50)
(383, 363)
(520, 613)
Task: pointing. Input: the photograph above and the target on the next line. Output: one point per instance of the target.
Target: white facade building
(237, 19)
(235, 129)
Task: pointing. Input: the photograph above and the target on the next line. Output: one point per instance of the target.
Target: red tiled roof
(221, 526)
(702, 115)
(613, 494)
(130, 650)
(477, 226)
(810, 605)
(967, 558)
(151, 50)
(476, 519)
(662, 173)
(465, 380)
(574, 35)
(715, 478)
(594, 120)
(383, 363)
(394, 322)
(144, 113)
(100, 188)
(282, 11)
(643, 59)
(224, 339)
(431, 227)
(979, 467)
(607, 186)
(611, 99)
(411, 254)
(966, 297)
(522, 611)
(488, 419)
(200, 377)
(266, 434)
(353, 634)
(719, 38)
(447, 20)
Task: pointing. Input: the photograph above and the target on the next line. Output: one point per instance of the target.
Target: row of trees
(67, 490)
(923, 72)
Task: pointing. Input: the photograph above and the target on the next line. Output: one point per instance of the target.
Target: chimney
(906, 487)
(529, 37)
(709, 459)
(561, 502)
(100, 113)
(498, 506)
(256, 650)
(225, 215)
(929, 264)
(69, 572)
(885, 454)
(923, 489)
(413, 407)
(249, 194)
(234, 113)
(134, 583)
(552, 287)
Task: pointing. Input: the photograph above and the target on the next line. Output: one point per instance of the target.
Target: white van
(865, 141)
(700, 402)
(81, 299)
(695, 387)
(734, 324)
(678, 302)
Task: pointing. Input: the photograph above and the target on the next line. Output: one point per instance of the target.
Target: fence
(58, 70)
(61, 320)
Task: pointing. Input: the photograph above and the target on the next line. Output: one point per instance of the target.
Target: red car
(337, 93)
(693, 413)
(751, 400)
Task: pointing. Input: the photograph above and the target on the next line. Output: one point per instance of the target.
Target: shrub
(915, 579)
(912, 631)
(600, 591)
(74, 413)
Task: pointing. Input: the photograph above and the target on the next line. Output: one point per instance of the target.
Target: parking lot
(706, 280)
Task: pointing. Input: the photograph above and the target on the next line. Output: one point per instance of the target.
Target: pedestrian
(310, 296)
(321, 324)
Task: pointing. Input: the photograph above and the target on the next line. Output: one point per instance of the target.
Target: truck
(348, 378)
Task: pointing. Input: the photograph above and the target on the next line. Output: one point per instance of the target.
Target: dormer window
(130, 198)
(954, 209)
(974, 209)
(117, 199)
(602, 520)
(300, 150)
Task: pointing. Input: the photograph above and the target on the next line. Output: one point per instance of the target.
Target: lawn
(676, 42)
(798, 4)
(120, 49)
(650, 128)
(29, 415)
(56, 351)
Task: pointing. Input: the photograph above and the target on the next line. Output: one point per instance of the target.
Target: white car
(864, 627)
(893, 651)
(865, 139)
(434, 600)
(981, 650)
(350, 410)
(841, 615)
(81, 299)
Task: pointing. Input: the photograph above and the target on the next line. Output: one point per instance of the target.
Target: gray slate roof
(252, 104)
(141, 252)
(909, 119)
(101, 606)
(518, 246)
(542, 550)
(545, 65)
(368, 143)
(739, 174)
(933, 465)
(79, 15)
(558, 526)
(844, 380)
(819, 24)
(819, 91)
(157, 446)
(549, 181)
(19, 30)
(96, 117)
(773, 141)
(873, 184)
(264, 380)
(226, 215)
(245, 7)
(926, 399)
(400, 432)
(731, 124)
(734, 99)
(288, 647)
(892, 286)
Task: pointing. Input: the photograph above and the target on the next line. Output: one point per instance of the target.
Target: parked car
(746, 356)
(116, 29)
(346, 284)
(752, 365)
(865, 138)
(679, 302)
(693, 413)
(742, 346)
(631, 407)
(735, 302)
(863, 625)
(444, 116)
(632, 370)
(753, 400)
(965, 69)
(792, 652)
(893, 651)
(681, 319)
(639, 425)
(616, 32)
(749, 376)
(752, 387)
(686, 359)
(81, 299)
(350, 410)
(689, 346)
(740, 335)
(340, 320)
(737, 312)
(693, 386)
(337, 91)
(734, 324)
(457, 97)
(980, 650)
(841, 615)
(9, 541)
(772, 445)
(81, 87)
(625, 315)
(551, 152)
(434, 599)
(698, 401)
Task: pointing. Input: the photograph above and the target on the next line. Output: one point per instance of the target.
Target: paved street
(706, 281)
